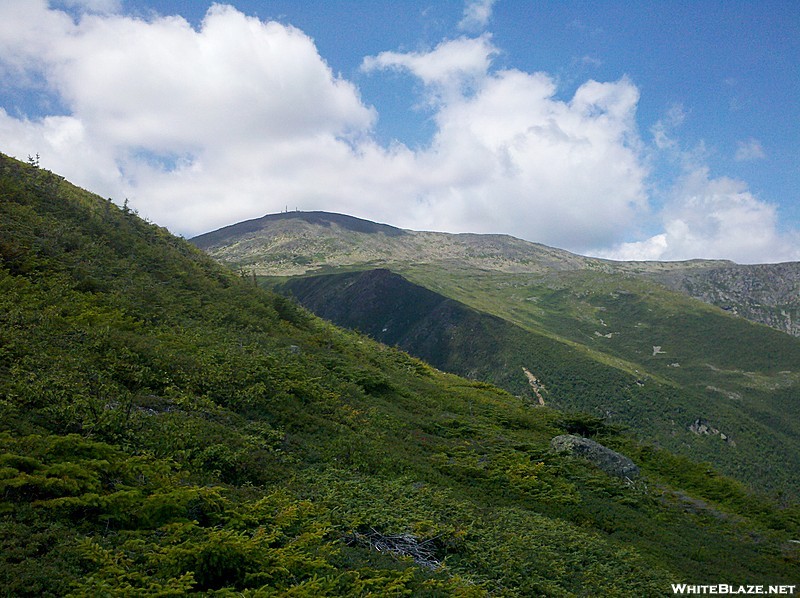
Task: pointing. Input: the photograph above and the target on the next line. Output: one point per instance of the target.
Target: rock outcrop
(611, 462)
(765, 293)
(702, 428)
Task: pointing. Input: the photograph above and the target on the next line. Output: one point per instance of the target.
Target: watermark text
(728, 589)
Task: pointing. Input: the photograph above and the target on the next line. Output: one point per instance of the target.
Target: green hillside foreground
(591, 339)
(168, 428)
(589, 343)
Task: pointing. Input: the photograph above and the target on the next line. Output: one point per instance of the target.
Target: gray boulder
(612, 462)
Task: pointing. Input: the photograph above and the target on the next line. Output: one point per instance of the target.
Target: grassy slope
(167, 428)
(614, 375)
(740, 377)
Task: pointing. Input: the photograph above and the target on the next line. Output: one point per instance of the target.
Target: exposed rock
(536, 385)
(764, 293)
(702, 428)
(612, 462)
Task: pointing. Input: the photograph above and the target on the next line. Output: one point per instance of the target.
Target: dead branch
(403, 545)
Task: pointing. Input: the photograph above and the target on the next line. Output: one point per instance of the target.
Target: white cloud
(165, 86)
(192, 125)
(715, 218)
(451, 68)
(508, 156)
(749, 150)
(66, 149)
(477, 14)
(518, 160)
(28, 34)
(203, 127)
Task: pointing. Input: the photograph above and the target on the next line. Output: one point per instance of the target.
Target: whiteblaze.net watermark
(728, 589)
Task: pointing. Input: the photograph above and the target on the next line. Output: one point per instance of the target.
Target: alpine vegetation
(169, 428)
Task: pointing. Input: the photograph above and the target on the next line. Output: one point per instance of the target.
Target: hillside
(169, 429)
(660, 363)
(604, 337)
(296, 243)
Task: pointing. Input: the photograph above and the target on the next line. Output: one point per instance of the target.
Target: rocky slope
(764, 293)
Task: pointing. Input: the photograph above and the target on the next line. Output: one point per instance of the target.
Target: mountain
(298, 242)
(295, 243)
(602, 337)
(168, 428)
(765, 293)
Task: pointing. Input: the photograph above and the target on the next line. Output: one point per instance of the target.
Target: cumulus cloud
(714, 218)
(163, 85)
(66, 148)
(477, 14)
(524, 162)
(509, 156)
(187, 122)
(205, 126)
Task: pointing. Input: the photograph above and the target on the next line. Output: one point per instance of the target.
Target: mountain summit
(295, 243)
(299, 242)
(270, 221)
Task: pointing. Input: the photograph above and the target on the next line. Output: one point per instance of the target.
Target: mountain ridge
(278, 245)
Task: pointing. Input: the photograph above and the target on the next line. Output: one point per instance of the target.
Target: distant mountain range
(294, 243)
(624, 341)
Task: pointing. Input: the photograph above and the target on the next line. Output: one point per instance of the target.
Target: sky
(662, 130)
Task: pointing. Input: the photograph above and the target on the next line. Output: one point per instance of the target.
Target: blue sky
(630, 130)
